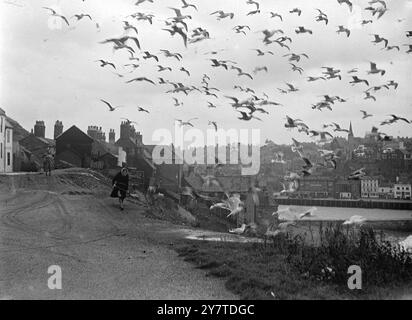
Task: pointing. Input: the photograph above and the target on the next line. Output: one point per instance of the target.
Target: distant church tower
(350, 135)
(351, 141)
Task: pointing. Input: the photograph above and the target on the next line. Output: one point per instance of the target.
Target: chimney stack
(40, 129)
(58, 129)
(96, 133)
(112, 136)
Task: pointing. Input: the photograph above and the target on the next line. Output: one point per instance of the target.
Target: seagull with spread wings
(55, 14)
(104, 63)
(81, 16)
(365, 114)
(188, 5)
(111, 108)
(186, 123)
(141, 79)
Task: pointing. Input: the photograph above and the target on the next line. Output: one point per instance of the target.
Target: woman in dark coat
(120, 186)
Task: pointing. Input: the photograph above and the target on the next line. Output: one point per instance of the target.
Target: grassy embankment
(307, 265)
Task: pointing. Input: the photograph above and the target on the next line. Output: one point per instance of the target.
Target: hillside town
(207, 151)
(388, 164)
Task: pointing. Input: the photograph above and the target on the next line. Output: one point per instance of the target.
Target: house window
(1, 150)
(8, 158)
(8, 136)
(1, 124)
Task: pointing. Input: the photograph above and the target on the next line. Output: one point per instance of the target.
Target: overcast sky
(50, 74)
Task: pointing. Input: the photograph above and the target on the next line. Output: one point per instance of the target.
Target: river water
(333, 213)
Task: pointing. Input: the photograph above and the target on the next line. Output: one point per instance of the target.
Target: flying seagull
(111, 108)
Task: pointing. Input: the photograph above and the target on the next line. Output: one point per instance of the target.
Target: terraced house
(6, 144)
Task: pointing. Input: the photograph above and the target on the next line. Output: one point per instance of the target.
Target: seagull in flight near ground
(406, 244)
(357, 174)
(232, 204)
(308, 213)
(355, 220)
(297, 146)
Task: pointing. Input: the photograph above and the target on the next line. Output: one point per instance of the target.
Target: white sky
(50, 74)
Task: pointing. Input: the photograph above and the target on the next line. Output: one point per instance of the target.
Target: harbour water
(334, 213)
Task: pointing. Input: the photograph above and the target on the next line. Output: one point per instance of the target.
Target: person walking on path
(120, 186)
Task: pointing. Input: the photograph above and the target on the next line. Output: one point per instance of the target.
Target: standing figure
(47, 164)
(120, 186)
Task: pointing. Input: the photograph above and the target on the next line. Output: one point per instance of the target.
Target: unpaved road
(103, 253)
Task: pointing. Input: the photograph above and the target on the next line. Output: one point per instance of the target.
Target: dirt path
(103, 253)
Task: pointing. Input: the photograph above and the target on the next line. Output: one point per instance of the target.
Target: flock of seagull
(256, 106)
